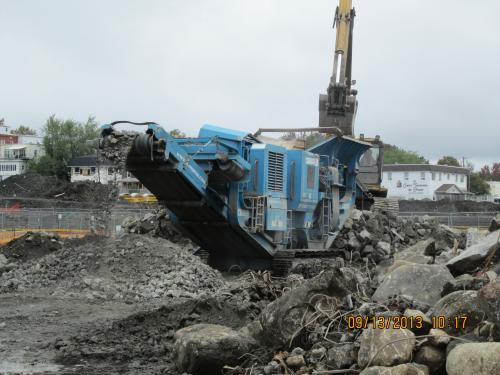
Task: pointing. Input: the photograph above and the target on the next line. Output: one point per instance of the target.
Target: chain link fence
(66, 222)
(457, 219)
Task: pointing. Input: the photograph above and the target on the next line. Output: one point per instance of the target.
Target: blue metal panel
(276, 218)
(302, 196)
(217, 131)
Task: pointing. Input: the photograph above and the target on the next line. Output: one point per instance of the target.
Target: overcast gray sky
(427, 71)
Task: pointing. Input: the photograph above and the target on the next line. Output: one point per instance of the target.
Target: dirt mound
(144, 341)
(30, 246)
(131, 268)
(32, 185)
(446, 205)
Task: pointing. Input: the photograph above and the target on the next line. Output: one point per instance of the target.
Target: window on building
(422, 175)
(77, 170)
(462, 178)
(389, 176)
(111, 171)
(433, 176)
(35, 153)
(448, 177)
(456, 178)
(440, 176)
(92, 170)
(407, 175)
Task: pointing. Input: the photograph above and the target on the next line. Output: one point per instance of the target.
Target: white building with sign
(425, 181)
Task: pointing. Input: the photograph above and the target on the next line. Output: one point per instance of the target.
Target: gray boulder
(282, 319)
(418, 253)
(458, 304)
(406, 369)
(206, 348)
(434, 358)
(379, 341)
(490, 295)
(474, 358)
(475, 255)
(495, 224)
(341, 356)
(422, 282)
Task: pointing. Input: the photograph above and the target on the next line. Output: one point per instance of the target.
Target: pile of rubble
(374, 237)
(401, 296)
(423, 317)
(129, 268)
(33, 185)
(116, 147)
(157, 224)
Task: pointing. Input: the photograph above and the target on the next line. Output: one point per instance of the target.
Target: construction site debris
(36, 186)
(206, 348)
(495, 224)
(32, 245)
(156, 223)
(129, 268)
(420, 282)
(116, 146)
(406, 369)
(472, 258)
(269, 325)
(374, 348)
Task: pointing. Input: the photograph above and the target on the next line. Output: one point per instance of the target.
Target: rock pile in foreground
(131, 267)
(400, 306)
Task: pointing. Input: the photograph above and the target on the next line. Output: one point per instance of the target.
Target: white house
(15, 156)
(91, 168)
(99, 169)
(495, 190)
(425, 181)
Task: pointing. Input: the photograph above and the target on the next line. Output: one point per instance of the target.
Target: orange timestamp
(405, 322)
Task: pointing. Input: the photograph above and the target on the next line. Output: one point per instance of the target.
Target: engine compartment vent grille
(275, 172)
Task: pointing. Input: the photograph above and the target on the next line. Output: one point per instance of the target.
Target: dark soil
(142, 342)
(30, 246)
(31, 185)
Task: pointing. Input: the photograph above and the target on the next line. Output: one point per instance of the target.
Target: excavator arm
(338, 107)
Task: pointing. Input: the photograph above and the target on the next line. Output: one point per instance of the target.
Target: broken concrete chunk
(457, 305)
(490, 295)
(438, 337)
(406, 369)
(495, 224)
(418, 253)
(206, 348)
(379, 341)
(474, 358)
(342, 356)
(475, 255)
(422, 282)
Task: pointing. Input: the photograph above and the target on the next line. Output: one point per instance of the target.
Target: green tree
(23, 130)
(449, 160)
(396, 155)
(63, 140)
(478, 185)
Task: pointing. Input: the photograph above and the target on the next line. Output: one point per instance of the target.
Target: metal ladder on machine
(287, 238)
(257, 214)
(326, 216)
